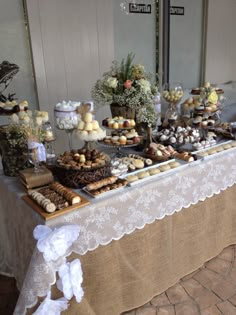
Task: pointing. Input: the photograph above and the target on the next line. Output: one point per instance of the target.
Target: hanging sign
(177, 10)
(140, 8)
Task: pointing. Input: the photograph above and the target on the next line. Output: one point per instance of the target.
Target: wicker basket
(124, 111)
(79, 178)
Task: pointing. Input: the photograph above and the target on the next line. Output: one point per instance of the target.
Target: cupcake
(123, 140)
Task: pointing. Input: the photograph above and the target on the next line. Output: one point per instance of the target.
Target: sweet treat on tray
(42, 201)
(105, 185)
(217, 149)
(103, 182)
(132, 178)
(68, 194)
(160, 152)
(143, 174)
(186, 156)
(126, 137)
(118, 123)
(54, 197)
(82, 159)
(164, 168)
(57, 199)
(178, 135)
(174, 164)
(10, 107)
(88, 129)
(154, 171)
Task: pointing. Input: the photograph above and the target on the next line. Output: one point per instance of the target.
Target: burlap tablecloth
(129, 272)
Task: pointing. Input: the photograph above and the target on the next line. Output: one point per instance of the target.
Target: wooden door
(72, 45)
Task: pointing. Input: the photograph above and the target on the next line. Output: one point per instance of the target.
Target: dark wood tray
(47, 216)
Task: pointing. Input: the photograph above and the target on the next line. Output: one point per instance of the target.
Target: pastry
(233, 144)
(203, 154)
(154, 171)
(68, 194)
(148, 162)
(87, 117)
(143, 174)
(132, 178)
(101, 183)
(212, 151)
(138, 163)
(174, 164)
(227, 146)
(219, 149)
(123, 140)
(164, 168)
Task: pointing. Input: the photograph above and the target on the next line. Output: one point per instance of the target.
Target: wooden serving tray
(47, 216)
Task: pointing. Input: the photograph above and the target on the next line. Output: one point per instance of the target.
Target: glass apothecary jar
(67, 118)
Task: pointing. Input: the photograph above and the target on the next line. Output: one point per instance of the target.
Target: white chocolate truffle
(88, 117)
(163, 138)
(95, 124)
(172, 140)
(81, 125)
(88, 126)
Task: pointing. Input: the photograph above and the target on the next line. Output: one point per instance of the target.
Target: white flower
(111, 82)
(145, 85)
(38, 121)
(14, 119)
(26, 120)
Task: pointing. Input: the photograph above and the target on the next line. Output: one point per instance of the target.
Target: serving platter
(47, 216)
(200, 153)
(182, 165)
(105, 194)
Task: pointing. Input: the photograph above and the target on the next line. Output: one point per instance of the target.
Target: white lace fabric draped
(110, 218)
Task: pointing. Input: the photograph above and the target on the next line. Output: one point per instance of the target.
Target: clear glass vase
(172, 115)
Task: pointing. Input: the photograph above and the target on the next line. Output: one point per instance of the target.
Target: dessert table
(133, 244)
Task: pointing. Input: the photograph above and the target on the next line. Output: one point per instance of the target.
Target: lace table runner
(110, 218)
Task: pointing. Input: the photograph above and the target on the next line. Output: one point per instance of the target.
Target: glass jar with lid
(67, 118)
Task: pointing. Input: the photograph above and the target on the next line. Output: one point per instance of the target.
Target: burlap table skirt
(127, 273)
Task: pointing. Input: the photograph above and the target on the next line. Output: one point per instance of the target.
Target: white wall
(185, 43)
(15, 48)
(135, 33)
(221, 41)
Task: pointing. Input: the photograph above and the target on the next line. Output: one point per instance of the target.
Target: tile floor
(210, 290)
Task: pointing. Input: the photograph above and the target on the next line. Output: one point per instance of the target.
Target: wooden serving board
(47, 216)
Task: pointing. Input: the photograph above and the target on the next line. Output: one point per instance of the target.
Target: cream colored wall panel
(221, 44)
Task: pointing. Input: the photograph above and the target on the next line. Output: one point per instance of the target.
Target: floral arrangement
(126, 84)
(147, 115)
(208, 94)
